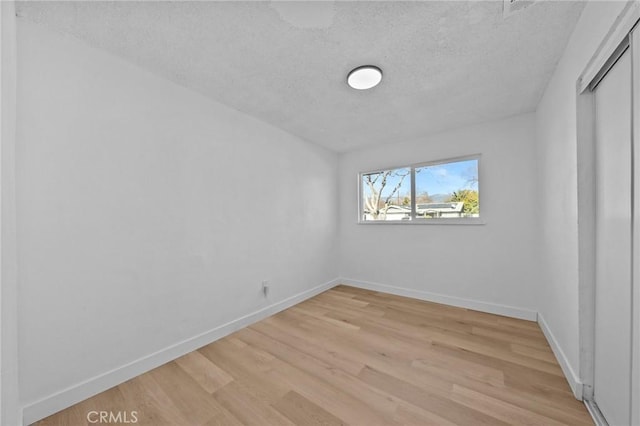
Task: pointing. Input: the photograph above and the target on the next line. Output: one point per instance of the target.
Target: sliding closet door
(612, 359)
(635, 311)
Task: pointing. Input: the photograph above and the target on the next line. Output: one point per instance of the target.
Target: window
(429, 192)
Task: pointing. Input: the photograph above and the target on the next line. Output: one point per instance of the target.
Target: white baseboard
(476, 305)
(81, 391)
(596, 414)
(574, 382)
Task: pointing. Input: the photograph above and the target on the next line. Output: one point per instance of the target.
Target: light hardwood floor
(351, 356)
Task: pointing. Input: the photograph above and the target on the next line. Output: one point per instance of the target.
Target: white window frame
(413, 220)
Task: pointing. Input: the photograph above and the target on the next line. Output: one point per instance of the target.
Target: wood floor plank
(225, 418)
(249, 368)
(438, 364)
(511, 336)
(301, 411)
(411, 415)
(499, 409)
(342, 299)
(347, 383)
(152, 405)
(196, 406)
(366, 311)
(428, 399)
(486, 347)
(247, 407)
(514, 374)
(567, 414)
(331, 398)
(356, 357)
(307, 310)
(208, 375)
(306, 344)
(538, 353)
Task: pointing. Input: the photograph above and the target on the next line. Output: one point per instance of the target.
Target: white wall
(148, 214)
(556, 153)
(9, 407)
(494, 264)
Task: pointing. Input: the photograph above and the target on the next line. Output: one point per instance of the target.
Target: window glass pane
(448, 190)
(386, 195)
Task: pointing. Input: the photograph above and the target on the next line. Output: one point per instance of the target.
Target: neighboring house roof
(395, 209)
(398, 209)
(452, 207)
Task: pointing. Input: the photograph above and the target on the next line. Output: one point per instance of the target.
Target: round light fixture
(364, 77)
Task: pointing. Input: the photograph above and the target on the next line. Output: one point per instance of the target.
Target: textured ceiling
(445, 64)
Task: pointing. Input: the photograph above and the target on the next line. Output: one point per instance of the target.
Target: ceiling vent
(514, 6)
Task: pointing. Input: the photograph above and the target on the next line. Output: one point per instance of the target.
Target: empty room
(320, 213)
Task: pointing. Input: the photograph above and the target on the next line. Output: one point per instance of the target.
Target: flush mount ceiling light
(364, 77)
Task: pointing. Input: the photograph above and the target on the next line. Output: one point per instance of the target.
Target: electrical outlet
(265, 288)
